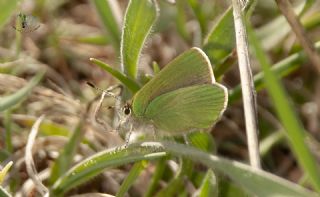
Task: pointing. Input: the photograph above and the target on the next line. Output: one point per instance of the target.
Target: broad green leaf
(291, 123)
(97, 163)
(202, 140)
(65, 159)
(221, 40)
(109, 21)
(209, 186)
(252, 180)
(8, 101)
(4, 171)
(7, 9)
(139, 19)
(129, 83)
(131, 178)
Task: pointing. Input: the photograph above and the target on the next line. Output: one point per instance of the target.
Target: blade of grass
(220, 42)
(4, 171)
(197, 9)
(275, 31)
(4, 193)
(247, 85)
(296, 26)
(97, 163)
(8, 132)
(292, 124)
(132, 176)
(157, 175)
(209, 186)
(63, 162)
(11, 100)
(139, 19)
(7, 9)
(109, 21)
(129, 83)
(281, 69)
(250, 179)
(96, 40)
(176, 185)
(181, 20)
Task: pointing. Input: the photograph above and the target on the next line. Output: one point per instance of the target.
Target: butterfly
(181, 98)
(26, 23)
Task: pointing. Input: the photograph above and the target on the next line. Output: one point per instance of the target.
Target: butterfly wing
(190, 68)
(26, 23)
(189, 108)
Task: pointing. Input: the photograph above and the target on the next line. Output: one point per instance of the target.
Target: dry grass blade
(286, 9)
(248, 92)
(31, 169)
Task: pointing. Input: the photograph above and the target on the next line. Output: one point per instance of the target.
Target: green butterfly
(26, 23)
(182, 97)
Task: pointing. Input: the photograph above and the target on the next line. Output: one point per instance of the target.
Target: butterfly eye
(127, 110)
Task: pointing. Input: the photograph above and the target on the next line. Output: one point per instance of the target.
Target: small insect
(181, 98)
(26, 23)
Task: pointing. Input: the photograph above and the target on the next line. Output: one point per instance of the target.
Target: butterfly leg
(186, 139)
(97, 110)
(128, 136)
(105, 93)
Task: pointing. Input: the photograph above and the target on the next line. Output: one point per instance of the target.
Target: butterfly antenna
(107, 91)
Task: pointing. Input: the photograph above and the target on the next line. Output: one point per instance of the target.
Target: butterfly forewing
(187, 109)
(190, 68)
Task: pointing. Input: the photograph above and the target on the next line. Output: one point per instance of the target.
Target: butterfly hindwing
(189, 108)
(190, 68)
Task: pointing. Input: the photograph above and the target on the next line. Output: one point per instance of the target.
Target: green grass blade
(221, 40)
(97, 163)
(181, 20)
(209, 186)
(109, 21)
(197, 9)
(289, 119)
(129, 83)
(4, 171)
(8, 131)
(281, 69)
(7, 9)
(250, 179)
(176, 186)
(11, 100)
(275, 31)
(139, 19)
(4, 193)
(131, 178)
(63, 162)
(95, 40)
(157, 175)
